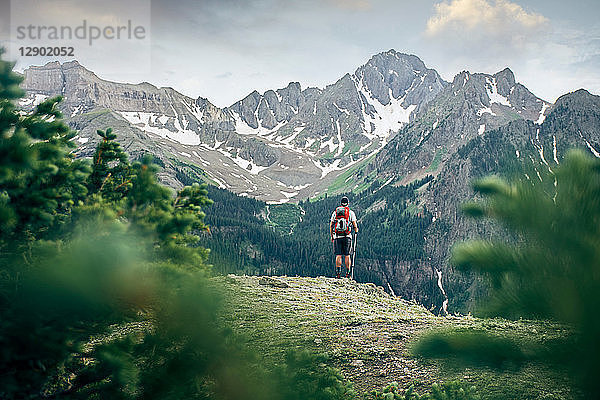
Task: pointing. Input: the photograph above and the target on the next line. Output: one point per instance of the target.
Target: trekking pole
(353, 254)
(335, 267)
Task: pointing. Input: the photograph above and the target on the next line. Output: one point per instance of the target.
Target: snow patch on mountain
(542, 117)
(243, 128)
(288, 194)
(76, 111)
(492, 91)
(243, 163)
(156, 124)
(221, 184)
(34, 100)
(388, 118)
(340, 141)
(592, 149)
(326, 169)
(484, 110)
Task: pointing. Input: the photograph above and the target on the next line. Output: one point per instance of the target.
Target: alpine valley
(400, 141)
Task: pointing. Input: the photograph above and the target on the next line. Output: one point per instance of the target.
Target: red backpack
(342, 221)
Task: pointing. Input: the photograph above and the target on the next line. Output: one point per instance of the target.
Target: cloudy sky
(224, 49)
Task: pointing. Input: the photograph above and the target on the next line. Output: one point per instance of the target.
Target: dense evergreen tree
(40, 181)
(111, 175)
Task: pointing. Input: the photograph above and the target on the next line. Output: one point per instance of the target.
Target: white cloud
(482, 18)
(550, 57)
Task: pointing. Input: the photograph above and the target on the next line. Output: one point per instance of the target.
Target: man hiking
(340, 228)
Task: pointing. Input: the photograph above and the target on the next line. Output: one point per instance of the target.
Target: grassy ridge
(368, 334)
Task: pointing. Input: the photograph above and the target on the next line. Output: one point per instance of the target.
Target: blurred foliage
(104, 291)
(474, 346)
(307, 376)
(551, 271)
(447, 391)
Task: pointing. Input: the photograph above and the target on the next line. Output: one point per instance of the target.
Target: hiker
(340, 228)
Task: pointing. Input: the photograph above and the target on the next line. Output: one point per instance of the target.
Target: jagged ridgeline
(250, 236)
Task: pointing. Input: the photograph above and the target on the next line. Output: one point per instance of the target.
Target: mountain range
(289, 143)
(392, 122)
(292, 143)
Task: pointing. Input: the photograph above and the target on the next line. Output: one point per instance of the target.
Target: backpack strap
(347, 216)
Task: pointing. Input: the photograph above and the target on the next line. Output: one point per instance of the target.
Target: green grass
(193, 171)
(315, 146)
(413, 209)
(96, 112)
(368, 181)
(328, 156)
(347, 180)
(437, 158)
(350, 149)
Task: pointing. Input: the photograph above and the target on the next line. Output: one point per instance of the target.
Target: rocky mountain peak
(73, 64)
(473, 104)
(254, 94)
(293, 86)
(311, 133)
(576, 112)
(54, 78)
(578, 96)
(47, 80)
(504, 82)
(497, 95)
(505, 77)
(49, 65)
(392, 56)
(462, 78)
(390, 75)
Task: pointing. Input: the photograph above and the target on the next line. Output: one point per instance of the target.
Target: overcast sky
(224, 49)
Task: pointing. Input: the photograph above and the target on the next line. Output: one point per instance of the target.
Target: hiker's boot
(347, 274)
